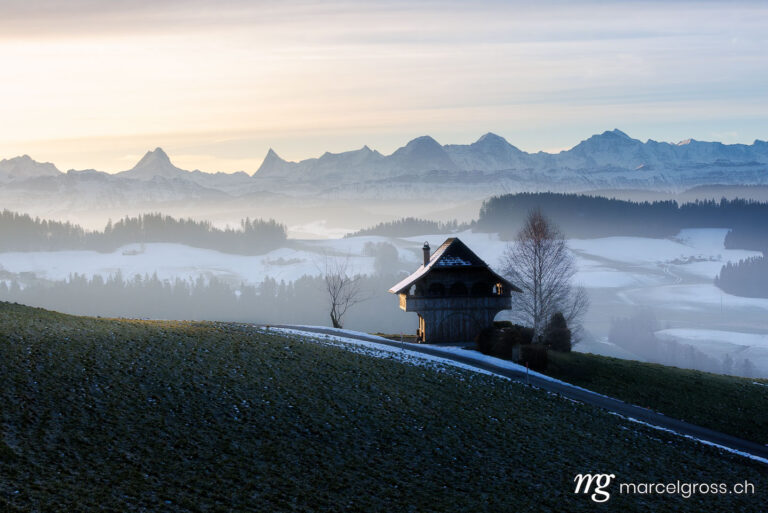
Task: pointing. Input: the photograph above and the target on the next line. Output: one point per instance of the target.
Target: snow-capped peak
(618, 132)
(154, 157)
(272, 164)
(426, 141)
(423, 154)
(24, 167)
(491, 137)
(272, 155)
(155, 163)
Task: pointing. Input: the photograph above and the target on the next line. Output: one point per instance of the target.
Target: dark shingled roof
(451, 254)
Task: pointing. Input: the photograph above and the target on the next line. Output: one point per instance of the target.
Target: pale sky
(95, 84)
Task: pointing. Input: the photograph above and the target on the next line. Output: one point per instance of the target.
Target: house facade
(454, 292)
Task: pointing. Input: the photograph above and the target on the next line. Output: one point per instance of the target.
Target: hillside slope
(729, 404)
(171, 416)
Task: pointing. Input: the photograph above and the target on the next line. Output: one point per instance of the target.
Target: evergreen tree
(557, 336)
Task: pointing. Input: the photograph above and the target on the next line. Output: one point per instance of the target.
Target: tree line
(746, 278)
(410, 227)
(23, 233)
(749, 236)
(637, 334)
(584, 216)
(303, 301)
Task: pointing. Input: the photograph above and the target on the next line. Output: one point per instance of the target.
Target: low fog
(650, 271)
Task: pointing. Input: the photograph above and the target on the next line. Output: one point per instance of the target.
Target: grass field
(737, 406)
(114, 415)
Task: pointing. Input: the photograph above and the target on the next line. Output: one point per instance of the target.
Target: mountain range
(490, 165)
(611, 159)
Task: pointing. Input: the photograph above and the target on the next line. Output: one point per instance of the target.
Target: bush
(484, 339)
(503, 340)
(520, 334)
(557, 336)
(504, 345)
(535, 355)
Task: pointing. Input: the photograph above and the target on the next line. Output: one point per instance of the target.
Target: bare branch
(344, 289)
(539, 262)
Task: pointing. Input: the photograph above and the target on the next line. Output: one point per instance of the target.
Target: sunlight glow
(217, 84)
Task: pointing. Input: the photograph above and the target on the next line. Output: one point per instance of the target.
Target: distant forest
(20, 232)
(637, 334)
(746, 278)
(409, 227)
(582, 216)
(304, 301)
(752, 236)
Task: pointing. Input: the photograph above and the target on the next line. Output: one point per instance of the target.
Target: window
(437, 289)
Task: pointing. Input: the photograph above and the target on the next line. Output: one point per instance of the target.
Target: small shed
(455, 293)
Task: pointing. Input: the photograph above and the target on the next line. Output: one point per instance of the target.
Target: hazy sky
(94, 83)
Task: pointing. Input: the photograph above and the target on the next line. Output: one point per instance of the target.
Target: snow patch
(374, 349)
(371, 348)
(705, 442)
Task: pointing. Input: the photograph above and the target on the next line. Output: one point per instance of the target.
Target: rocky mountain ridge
(490, 165)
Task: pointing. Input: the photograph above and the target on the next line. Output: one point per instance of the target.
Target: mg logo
(595, 483)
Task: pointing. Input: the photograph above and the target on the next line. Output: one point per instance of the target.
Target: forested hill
(21, 232)
(582, 216)
(746, 278)
(409, 227)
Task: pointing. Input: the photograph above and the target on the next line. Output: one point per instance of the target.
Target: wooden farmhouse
(455, 294)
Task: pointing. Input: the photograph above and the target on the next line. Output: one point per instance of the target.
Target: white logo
(602, 481)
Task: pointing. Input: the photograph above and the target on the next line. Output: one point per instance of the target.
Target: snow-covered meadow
(612, 262)
(672, 276)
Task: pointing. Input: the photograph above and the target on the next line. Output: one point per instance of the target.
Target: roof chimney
(426, 253)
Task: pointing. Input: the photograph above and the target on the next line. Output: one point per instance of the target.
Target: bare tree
(343, 287)
(538, 262)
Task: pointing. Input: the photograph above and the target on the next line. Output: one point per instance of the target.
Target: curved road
(584, 396)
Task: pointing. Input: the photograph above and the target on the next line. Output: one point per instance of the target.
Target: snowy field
(613, 262)
(672, 276)
(172, 261)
